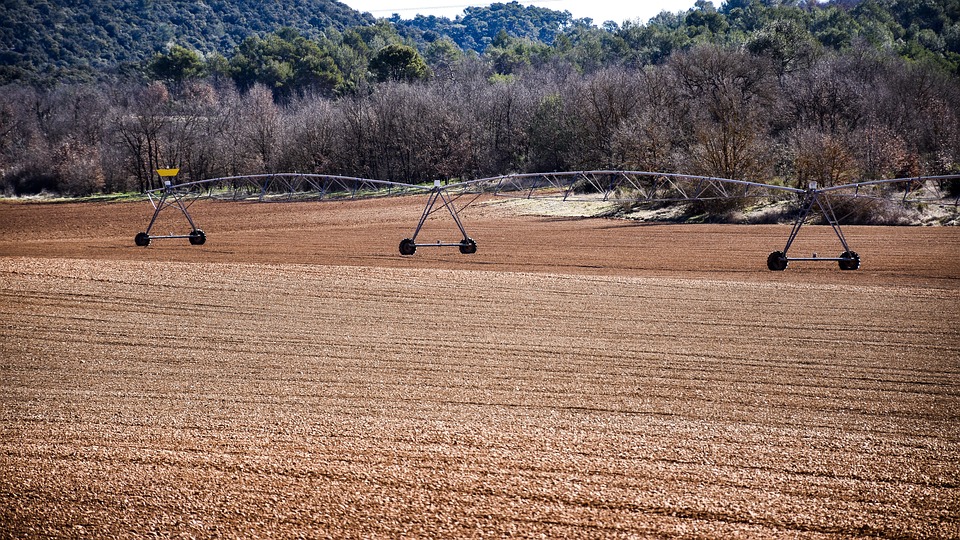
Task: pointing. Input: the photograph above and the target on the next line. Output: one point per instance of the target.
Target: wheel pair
(777, 261)
(409, 247)
(468, 246)
(196, 236)
(849, 260)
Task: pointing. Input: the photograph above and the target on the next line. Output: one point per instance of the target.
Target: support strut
(408, 246)
(170, 198)
(848, 260)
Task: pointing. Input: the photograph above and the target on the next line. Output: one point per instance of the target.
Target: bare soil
(296, 377)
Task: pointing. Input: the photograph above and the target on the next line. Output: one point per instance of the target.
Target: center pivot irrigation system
(627, 187)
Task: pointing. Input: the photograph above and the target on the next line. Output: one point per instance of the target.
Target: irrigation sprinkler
(632, 187)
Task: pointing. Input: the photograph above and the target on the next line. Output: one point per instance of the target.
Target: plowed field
(296, 377)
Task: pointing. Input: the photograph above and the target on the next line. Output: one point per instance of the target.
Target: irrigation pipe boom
(630, 187)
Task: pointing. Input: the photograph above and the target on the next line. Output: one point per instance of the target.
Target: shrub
(869, 211)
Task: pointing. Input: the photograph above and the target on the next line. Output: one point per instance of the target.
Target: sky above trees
(598, 10)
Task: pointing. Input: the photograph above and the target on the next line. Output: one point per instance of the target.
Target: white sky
(598, 10)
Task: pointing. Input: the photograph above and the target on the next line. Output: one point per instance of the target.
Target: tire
(777, 261)
(850, 260)
(142, 239)
(408, 247)
(468, 246)
(197, 238)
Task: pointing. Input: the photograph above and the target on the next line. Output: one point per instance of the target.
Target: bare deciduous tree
(733, 98)
(603, 102)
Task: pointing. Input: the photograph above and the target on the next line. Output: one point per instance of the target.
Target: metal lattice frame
(619, 186)
(283, 187)
(279, 187)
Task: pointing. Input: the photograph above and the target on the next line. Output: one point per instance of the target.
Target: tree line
(711, 110)
(774, 104)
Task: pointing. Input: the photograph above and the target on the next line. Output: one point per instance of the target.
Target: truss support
(848, 260)
(438, 199)
(170, 198)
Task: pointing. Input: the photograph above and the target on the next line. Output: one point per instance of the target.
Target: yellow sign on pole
(168, 172)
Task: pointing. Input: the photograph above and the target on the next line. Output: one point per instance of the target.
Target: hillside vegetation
(62, 39)
(80, 40)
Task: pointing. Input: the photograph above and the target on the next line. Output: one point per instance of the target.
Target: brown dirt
(295, 376)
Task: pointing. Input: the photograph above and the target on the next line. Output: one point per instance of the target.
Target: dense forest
(776, 91)
(49, 41)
